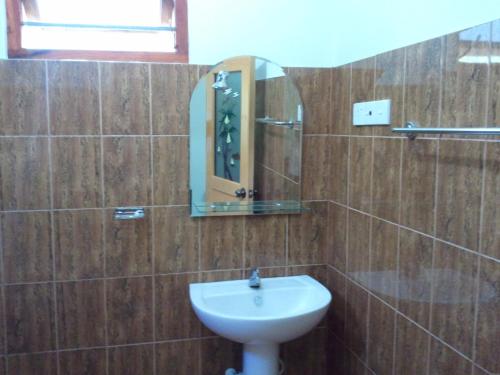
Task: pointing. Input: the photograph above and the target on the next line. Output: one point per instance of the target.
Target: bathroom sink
(281, 309)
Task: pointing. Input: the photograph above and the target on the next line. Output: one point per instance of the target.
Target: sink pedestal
(261, 359)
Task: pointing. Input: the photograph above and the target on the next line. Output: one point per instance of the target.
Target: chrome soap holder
(129, 213)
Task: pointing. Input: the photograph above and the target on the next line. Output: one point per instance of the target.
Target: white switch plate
(377, 112)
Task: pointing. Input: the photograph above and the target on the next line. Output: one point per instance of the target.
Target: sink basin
(282, 309)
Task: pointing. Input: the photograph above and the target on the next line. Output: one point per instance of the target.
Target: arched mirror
(245, 140)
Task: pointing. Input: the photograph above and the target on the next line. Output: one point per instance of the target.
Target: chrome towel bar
(412, 130)
(271, 121)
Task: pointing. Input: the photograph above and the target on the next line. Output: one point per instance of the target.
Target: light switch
(377, 112)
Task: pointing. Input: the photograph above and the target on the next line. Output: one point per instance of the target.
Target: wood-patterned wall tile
(79, 244)
(33, 364)
(418, 185)
(384, 260)
(444, 361)
(411, 348)
(386, 178)
(460, 169)
(129, 307)
(339, 159)
(24, 173)
(171, 171)
(80, 314)
(336, 252)
(171, 86)
(127, 171)
(314, 86)
(356, 326)
(27, 253)
(221, 243)
(83, 362)
(175, 318)
(131, 360)
(415, 259)
(25, 112)
(422, 86)
(316, 168)
(360, 173)
(177, 240)
(490, 235)
(178, 358)
(265, 243)
(336, 283)
(218, 354)
(30, 315)
(125, 98)
(362, 89)
(454, 296)
(76, 172)
(341, 109)
(73, 97)
(381, 337)
(465, 85)
(358, 248)
(128, 245)
(306, 355)
(308, 235)
(389, 84)
(488, 319)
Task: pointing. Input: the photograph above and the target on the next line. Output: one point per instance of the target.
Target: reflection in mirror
(245, 140)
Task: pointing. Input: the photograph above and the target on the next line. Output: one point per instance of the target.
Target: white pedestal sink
(282, 309)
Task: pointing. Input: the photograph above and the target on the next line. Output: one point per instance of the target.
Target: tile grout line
(434, 246)
(243, 246)
(400, 210)
(51, 217)
(102, 347)
(491, 139)
(398, 251)
(141, 135)
(370, 237)
(348, 198)
(480, 249)
(3, 311)
(91, 208)
(152, 213)
(137, 276)
(436, 203)
(103, 218)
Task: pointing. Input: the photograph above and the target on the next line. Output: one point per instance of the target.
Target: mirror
(245, 140)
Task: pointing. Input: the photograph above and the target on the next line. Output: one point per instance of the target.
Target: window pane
(98, 25)
(56, 38)
(101, 12)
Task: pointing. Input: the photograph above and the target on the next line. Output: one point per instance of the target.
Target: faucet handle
(255, 271)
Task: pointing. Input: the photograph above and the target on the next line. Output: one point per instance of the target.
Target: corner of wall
(3, 31)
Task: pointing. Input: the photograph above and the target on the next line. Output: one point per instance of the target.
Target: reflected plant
(226, 134)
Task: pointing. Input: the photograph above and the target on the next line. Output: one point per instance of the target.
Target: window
(134, 30)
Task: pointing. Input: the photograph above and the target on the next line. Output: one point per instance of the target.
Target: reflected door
(230, 131)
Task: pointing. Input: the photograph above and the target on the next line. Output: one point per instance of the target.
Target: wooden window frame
(15, 49)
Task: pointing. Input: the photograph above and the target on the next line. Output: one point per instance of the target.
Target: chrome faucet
(254, 281)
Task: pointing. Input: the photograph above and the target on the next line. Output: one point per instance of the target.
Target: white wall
(3, 31)
(288, 32)
(363, 28)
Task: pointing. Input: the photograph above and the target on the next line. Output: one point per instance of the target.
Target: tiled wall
(84, 294)
(414, 233)
(408, 229)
